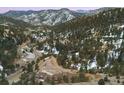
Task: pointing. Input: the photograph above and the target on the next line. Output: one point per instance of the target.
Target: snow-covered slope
(44, 17)
(101, 33)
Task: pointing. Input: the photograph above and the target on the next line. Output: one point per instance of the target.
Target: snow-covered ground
(1, 68)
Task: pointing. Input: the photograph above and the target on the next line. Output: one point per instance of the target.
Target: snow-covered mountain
(96, 11)
(44, 17)
(13, 22)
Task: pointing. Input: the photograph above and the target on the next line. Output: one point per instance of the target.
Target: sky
(6, 9)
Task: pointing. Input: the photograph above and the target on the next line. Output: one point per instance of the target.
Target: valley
(62, 47)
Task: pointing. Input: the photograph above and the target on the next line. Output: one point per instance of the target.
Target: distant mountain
(92, 12)
(14, 13)
(104, 17)
(44, 17)
(96, 11)
(14, 22)
(82, 11)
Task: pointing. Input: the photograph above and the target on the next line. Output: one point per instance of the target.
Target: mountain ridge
(44, 17)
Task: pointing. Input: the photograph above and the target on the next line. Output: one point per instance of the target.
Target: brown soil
(50, 66)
